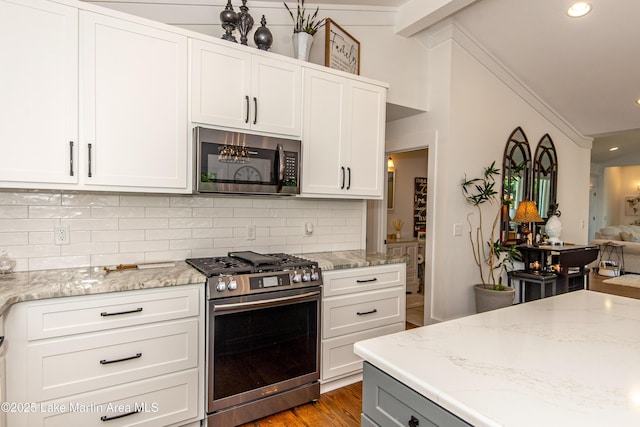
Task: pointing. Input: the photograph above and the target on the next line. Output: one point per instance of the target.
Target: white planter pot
(302, 45)
(488, 299)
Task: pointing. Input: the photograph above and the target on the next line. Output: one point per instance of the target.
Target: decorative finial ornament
(245, 22)
(229, 19)
(263, 37)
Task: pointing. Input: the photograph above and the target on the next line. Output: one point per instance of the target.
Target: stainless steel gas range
(263, 332)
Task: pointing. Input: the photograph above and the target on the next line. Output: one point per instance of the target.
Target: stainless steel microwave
(233, 162)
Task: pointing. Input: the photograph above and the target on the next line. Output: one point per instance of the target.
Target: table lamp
(527, 213)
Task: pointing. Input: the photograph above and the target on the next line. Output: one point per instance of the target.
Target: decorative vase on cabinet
(302, 45)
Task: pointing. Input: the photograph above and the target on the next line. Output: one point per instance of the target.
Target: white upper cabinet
(38, 103)
(128, 132)
(343, 139)
(133, 115)
(238, 89)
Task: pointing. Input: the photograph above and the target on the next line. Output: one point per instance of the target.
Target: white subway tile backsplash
(166, 212)
(29, 198)
(59, 212)
(50, 263)
(117, 212)
(144, 246)
(190, 222)
(98, 236)
(19, 238)
(111, 229)
(90, 199)
(14, 212)
(145, 201)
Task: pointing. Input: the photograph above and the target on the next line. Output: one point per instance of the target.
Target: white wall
(472, 115)
(619, 183)
(111, 229)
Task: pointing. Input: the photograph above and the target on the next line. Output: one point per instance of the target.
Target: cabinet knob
(413, 422)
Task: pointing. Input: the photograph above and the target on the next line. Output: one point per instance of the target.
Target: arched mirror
(516, 181)
(545, 175)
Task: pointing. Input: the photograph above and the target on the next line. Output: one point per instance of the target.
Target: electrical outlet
(61, 234)
(251, 232)
(457, 229)
(308, 229)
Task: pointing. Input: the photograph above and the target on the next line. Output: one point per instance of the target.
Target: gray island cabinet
(387, 402)
(567, 360)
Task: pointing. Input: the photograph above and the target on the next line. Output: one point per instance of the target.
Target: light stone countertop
(43, 284)
(569, 360)
(35, 285)
(338, 260)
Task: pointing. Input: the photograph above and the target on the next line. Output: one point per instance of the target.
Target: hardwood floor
(596, 284)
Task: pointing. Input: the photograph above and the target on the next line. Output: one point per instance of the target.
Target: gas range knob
(306, 276)
(221, 286)
(297, 278)
(233, 285)
(315, 276)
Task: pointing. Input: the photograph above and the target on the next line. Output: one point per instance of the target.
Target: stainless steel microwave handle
(280, 167)
(266, 303)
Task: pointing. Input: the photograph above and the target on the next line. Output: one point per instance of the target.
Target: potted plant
(304, 27)
(491, 256)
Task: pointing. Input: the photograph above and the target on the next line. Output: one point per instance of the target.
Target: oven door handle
(265, 303)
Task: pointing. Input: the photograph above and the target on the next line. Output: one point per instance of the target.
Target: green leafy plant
(303, 22)
(491, 256)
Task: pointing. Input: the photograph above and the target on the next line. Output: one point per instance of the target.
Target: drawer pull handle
(1, 340)
(115, 417)
(414, 422)
(117, 313)
(366, 280)
(106, 362)
(362, 313)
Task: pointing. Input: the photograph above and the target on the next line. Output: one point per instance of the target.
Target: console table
(572, 261)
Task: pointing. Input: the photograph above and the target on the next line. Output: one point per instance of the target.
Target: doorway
(402, 221)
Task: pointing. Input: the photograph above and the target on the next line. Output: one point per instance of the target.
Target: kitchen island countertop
(568, 360)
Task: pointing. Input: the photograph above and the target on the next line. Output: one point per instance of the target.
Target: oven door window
(263, 346)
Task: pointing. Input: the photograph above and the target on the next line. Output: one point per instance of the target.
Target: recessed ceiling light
(638, 101)
(613, 148)
(579, 9)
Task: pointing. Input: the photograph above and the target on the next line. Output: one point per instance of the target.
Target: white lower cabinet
(127, 358)
(358, 304)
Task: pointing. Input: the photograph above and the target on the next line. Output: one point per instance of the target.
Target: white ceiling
(586, 69)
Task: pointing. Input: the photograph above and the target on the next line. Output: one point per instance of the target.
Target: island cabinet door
(387, 402)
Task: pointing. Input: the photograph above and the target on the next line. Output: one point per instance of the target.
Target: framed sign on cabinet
(342, 51)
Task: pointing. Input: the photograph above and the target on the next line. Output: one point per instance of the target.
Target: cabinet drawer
(74, 315)
(91, 361)
(353, 313)
(338, 358)
(160, 401)
(340, 282)
(386, 402)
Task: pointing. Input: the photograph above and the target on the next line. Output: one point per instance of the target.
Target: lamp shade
(527, 212)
